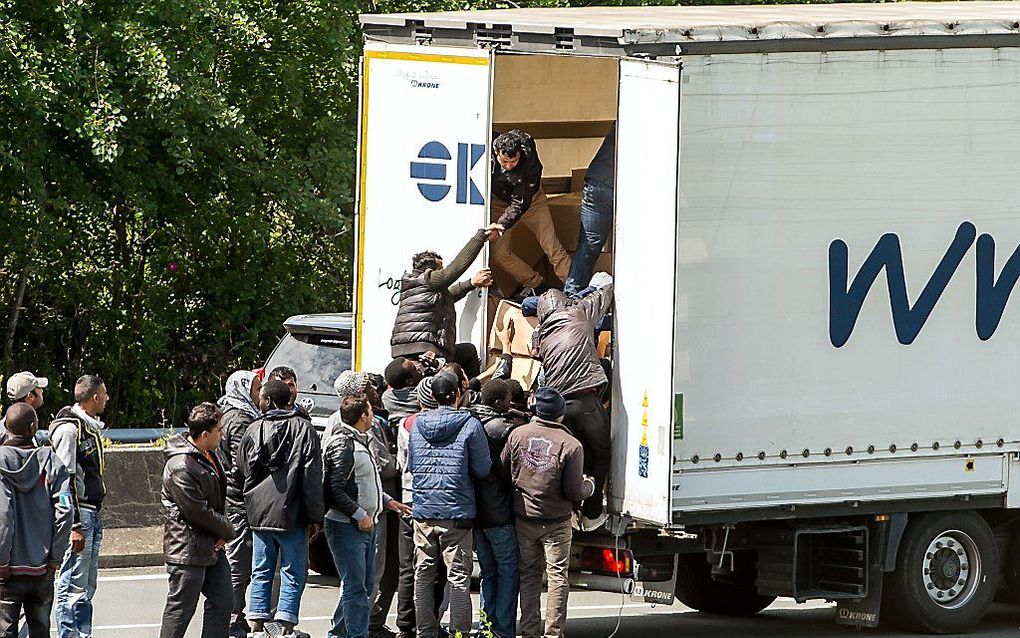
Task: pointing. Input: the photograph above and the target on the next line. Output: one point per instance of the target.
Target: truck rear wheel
(947, 573)
(696, 588)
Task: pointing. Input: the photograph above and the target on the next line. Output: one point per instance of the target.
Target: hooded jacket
(36, 509)
(193, 497)
(233, 425)
(79, 446)
(279, 466)
(494, 493)
(546, 465)
(447, 451)
(565, 340)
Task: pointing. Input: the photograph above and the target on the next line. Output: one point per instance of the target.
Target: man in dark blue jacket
(448, 451)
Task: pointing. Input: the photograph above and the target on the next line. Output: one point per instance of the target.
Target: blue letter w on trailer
(845, 301)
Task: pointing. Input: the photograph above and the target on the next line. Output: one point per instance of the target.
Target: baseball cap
(21, 384)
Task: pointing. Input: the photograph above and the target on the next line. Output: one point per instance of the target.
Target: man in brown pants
(546, 467)
(518, 200)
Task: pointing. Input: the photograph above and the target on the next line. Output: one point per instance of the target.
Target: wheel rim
(951, 570)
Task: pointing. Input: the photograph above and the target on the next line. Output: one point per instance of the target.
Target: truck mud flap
(865, 612)
(658, 592)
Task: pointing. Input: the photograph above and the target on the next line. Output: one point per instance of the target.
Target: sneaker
(407, 634)
(257, 634)
(382, 632)
(592, 524)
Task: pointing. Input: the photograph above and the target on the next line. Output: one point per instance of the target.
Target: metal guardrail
(127, 435)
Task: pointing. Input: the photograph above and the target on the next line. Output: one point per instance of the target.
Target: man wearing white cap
(23, 387)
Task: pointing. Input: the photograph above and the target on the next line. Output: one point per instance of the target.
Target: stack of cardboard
(524, 369)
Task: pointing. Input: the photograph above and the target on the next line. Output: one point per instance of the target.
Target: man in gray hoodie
(35, 524)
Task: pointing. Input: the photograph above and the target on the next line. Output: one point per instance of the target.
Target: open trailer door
(647, 150)
(423, 180)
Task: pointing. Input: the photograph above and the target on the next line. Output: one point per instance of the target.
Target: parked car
(318, 348)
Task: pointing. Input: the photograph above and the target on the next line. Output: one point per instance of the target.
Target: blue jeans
(354, 555)
(291, 547)
(76, 583)
(596, 224)
(497, 552)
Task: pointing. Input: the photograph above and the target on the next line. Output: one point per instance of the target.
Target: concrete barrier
(132, 513)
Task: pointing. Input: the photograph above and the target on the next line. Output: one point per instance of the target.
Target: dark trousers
(186, 583)
(406, 618)
(588, 422)
(387, 567)
(34, 595)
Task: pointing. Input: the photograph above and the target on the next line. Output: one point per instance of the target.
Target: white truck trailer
(815, 244)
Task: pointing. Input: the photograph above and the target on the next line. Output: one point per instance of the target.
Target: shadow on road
(1002, 620)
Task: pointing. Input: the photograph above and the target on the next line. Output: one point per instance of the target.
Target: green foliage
(176, 178)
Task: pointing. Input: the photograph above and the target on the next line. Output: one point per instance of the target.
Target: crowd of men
(421, 469)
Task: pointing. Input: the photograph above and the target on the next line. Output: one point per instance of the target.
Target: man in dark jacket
(447, 452)
(426, 317)
(546, 466)
(239, 404)
(76, 437)
(495, 537)
(518, 200)
(354, 492)
(196, 528)
(279, 465)
(565, 343)
(35, 524)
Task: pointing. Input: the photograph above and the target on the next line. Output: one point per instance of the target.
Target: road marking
(115, 579)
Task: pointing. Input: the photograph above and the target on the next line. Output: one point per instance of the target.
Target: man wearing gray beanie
(546, 467)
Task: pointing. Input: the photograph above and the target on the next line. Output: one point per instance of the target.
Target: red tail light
(604, 560)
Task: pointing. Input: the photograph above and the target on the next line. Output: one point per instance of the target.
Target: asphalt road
(129, 603)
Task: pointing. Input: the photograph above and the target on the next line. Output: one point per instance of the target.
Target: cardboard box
(524, 370)
(577, 179)
(523, 328)
(566, 215)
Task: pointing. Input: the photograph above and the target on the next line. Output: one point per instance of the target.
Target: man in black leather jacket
(196, 528)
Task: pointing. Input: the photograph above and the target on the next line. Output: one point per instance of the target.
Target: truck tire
(320, 559)
(696, 588)
(947, 574)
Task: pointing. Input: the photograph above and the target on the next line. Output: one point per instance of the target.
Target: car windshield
(317, 360)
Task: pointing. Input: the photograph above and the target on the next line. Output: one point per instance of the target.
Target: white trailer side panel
(787, 158)
(423, 180)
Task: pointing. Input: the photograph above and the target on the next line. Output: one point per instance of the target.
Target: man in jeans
(279, 465)
(240, 408)
(565, 344)
(518, 200)
(597, 206)
(35, 525)
(495, 538)
(354, 492)
(447, 452)
(196, 528)
(77, 439)
(546, 466)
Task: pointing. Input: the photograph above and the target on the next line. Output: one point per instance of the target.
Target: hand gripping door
(645, 266)
(423, 176)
